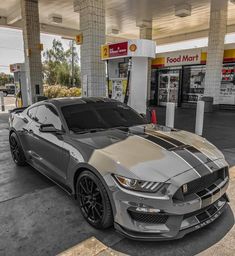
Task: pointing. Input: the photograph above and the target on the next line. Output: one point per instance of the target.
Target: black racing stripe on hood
(170, 139)
(203, 157)
(193, 161)
(160, 142)
(198, 154)
(193, 156)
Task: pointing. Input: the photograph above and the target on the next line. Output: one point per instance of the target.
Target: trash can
(208, 104)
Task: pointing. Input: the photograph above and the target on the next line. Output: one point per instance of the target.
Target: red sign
(119, 49)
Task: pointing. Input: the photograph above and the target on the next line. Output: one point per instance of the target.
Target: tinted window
(100, 115)
(46, 114)
(32, 112)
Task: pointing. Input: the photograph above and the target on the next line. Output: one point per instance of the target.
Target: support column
(92, 25)
(215, 52)
(146, 33)
(32, 49)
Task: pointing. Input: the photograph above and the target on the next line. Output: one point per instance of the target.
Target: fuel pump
(127, 71)
(18, 69)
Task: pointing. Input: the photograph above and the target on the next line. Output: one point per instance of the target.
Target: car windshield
(98, 116)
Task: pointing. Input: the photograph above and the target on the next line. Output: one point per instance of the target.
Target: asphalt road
(38, 218)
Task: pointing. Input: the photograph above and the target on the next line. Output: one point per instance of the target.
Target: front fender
(74, 173)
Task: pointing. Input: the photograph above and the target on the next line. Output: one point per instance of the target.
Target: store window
(193, 83)
(227, 89)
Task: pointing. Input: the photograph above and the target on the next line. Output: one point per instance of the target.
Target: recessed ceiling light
(114, 31)
(144, 23)
(183, 10)
(55, 18)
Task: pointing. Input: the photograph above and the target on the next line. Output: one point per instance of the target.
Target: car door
(25, 135)
(47, 151)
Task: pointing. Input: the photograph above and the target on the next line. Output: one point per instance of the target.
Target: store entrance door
(168, 87)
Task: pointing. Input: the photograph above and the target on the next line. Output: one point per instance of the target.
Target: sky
(11, 46)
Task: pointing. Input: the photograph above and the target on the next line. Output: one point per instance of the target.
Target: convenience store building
(179, 77)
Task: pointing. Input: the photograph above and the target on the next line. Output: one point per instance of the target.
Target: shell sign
(130, 48)
(133, 47)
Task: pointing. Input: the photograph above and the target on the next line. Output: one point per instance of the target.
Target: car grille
(206, 181)
(200, 184)
(148, 217)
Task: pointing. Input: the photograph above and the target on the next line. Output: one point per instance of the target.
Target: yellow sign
(79, 39)
(40, 47)
(104, 52)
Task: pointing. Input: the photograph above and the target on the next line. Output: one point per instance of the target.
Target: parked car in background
(9, 89)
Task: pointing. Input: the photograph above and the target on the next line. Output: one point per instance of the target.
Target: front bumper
(195, 225)
(174, 218)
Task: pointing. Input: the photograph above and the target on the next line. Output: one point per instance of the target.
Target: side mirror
(48, 128)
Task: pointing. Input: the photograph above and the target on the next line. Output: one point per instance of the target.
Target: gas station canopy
(172, 20)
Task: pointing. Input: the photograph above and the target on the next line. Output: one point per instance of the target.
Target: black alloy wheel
(93, 201)
(16, 150)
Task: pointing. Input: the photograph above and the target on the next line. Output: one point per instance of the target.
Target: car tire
(17, 150)
(5, 94)
(93, 200)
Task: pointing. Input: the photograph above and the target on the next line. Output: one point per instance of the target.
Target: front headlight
(139, 185)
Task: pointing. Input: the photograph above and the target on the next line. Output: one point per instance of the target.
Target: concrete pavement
(38, 218)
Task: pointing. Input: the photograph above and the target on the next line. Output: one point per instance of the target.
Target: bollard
(2, 101)
(199, 117)
(170, 114)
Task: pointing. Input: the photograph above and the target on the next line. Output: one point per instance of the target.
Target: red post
(153, 116)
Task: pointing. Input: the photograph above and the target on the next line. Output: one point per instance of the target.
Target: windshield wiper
(93, 130)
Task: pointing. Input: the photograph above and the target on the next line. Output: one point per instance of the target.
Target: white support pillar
(217, 31)
(199, 117)
(92, 25)
(32, 49)
(146, 33)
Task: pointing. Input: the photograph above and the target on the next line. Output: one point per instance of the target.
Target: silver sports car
(149, 181)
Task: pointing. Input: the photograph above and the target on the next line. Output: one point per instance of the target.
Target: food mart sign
(187, 57)
(183, 58)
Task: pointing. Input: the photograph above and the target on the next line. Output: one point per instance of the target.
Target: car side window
(47, 114)
(32, 112)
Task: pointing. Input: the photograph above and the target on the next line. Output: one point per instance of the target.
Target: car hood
(150, 152)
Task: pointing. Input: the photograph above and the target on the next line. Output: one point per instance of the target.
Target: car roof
(61, 102)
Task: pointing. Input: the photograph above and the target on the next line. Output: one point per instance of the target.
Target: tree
(6, 79)
(57, 65)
